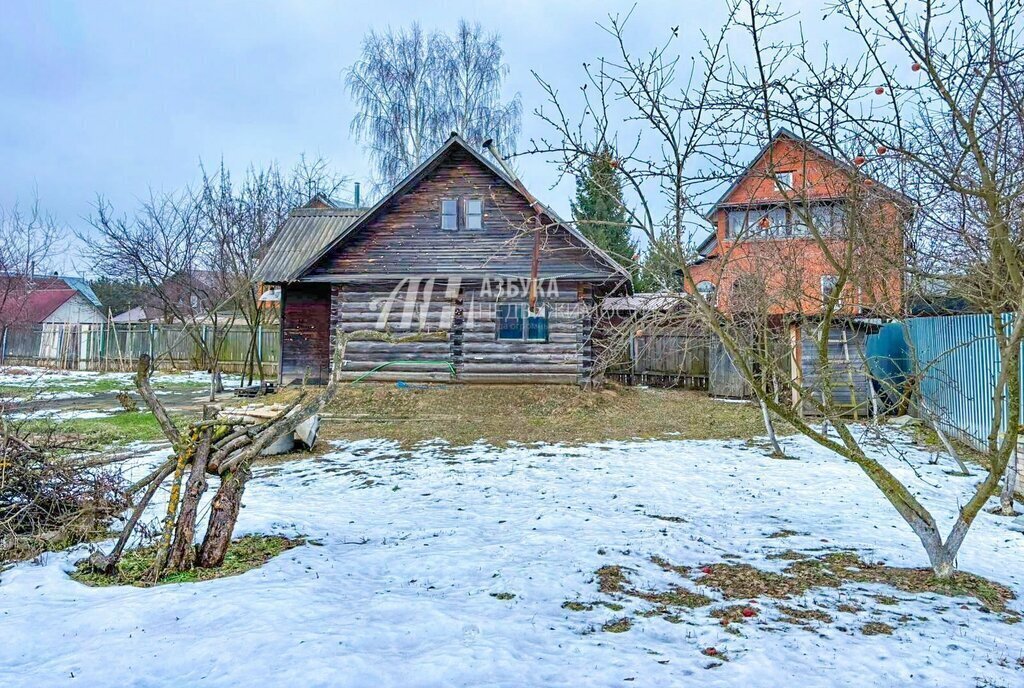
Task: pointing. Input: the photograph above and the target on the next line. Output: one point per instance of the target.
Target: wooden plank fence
(665, 360)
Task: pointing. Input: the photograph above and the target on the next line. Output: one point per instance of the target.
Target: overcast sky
(119, 97)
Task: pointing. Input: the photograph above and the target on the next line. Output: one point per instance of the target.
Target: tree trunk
(183, 552)
(770, 429)
(1009, 484)
(216, 381)
(942, 562)
(164, 546)
(223, 514)
(149, 396)
(107, 564)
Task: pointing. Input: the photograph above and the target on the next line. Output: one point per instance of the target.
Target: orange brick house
(762, 232)
(793, 227)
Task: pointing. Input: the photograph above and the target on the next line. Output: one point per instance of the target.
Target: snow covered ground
(412, 547)
(33, 377)
(60, 415)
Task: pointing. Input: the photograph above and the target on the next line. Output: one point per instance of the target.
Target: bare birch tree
(412, 89)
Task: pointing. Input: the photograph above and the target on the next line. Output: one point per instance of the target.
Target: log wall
(405, 237)
(452, 333)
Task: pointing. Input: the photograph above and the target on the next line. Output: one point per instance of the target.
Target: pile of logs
(219, 444)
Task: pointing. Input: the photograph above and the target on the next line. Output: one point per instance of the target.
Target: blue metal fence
(957, 359)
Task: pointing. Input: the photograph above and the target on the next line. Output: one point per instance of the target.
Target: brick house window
(829, 283)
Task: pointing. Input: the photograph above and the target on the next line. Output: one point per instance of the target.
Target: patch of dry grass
(498, 414)
(746, 582)
(740, 581)
(801, 615)
(618, 625)
(611, 579)
(876, 628)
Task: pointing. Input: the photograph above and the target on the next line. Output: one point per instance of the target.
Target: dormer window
(474, 213)
(449, 214)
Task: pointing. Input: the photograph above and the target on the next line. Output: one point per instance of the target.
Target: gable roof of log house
(313, 231)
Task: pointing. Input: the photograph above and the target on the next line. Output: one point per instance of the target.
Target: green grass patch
(98, 386)
(244, 554)
(98, 433)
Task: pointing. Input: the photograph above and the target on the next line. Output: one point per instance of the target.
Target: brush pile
(51, 499)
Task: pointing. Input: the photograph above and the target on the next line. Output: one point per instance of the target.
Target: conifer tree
(599, 209)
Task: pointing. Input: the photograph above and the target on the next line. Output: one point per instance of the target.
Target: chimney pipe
(356, 194)
(493, 150)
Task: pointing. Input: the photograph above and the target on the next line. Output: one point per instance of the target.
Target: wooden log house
(437, 279)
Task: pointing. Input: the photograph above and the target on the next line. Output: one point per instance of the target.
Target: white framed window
(737, 222)
(474, 209)
(449, 214)
(829, 284)
(707, 290)
(773, 221)
(829, 218)
(757, 222)
(784, 180)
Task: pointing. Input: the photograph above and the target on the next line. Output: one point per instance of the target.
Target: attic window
(449, 214)
(474, 213)
(784, 180)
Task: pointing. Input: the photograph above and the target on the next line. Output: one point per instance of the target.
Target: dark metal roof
(306, 232)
